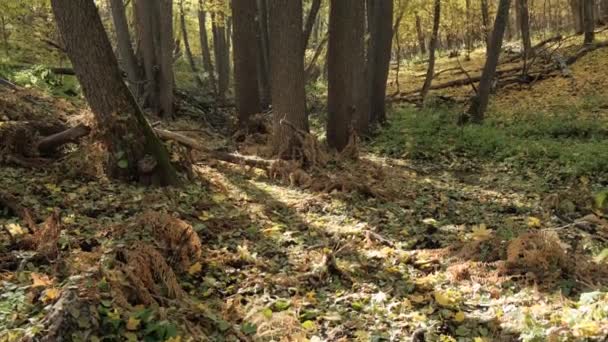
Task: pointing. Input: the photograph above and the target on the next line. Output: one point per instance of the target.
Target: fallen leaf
(534, 222)
(195, 268)
(40, 280)
(481, 232)
(50, 295)
(459, 316)
(133, 324)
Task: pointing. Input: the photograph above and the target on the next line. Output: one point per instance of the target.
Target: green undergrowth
(562, 143)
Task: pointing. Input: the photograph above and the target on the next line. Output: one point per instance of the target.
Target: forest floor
(489, 233)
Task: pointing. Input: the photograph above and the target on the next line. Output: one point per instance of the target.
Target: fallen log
(12, 203)
(50, 144)
(585, 50)
(8, 83)
(220, 155)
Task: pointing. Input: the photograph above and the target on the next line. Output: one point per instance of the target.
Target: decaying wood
(220, 155)
(50, 144)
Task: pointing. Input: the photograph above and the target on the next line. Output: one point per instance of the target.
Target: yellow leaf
(533, 222)
(417, 298)
(459, 316)
(133, 323)
(15, 229)
(40, 280)
(587, 329)
(195, 268)
(50, 295)
(446, 298)
(174, 339)
(481, 232)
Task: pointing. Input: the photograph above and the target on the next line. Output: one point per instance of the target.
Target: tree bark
(420, 35)
(479, 104)
(189, 56)
(431, 68)
(381, 43)
(578, 15)
(347, 93)
(485, 23)
(204, 41)
(264, 52)
(49, 144)
(167, 78)
(127, 135)
(287, 74)
(245, 60)
(524, 22)
(310, 22)
(125, 49)
(220, 47)
(589, 21)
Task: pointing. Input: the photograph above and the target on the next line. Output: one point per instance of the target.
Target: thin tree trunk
(264, 50)
(346, 56)
(204, 41)
(469, 28)
(479, 104)
(381, 38)
(420, 35)
(4, 35)
(245, 60)
(189, 56)
(485, 23)
(310, 21)
(431, 69)
(604, 11)
(147, 23)
(125, 49)
(589, 21)
(287, 75)
(221, 56)
(524, 22)
(133, 150)
(166, 76)
(578, 15)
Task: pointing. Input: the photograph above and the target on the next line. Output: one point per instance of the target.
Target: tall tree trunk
(245, 60)
(381, 43)
(287, 75)
(485, 23)
(479, 104)
(524, 22)
(578, 15)
(125, 49)
(310, 21)
(206, 51)
(420, 35)
(131, 144)
(220, 47)
(589, 20)
(346, 56)
(189, 56)
(4, 35)
(469, 28)
(147, 25)
(264, 51)
(167, 78)
(431, 68)
(604, 12)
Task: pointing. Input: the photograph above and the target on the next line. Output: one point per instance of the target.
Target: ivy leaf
(249, 328)
(123, 164)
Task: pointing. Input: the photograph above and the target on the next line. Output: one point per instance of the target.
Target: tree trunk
(245, 60)
(264, 50)
(524, 22)
(206, 51)
(125, 49)
(431, 69)
(420, 35)
(480, 101)
(287, 74)
(485, 23)
(4, 35)
(167, 78)
(469, 28)
(577, 14)
(589, 21)
(604, 6)
(347, 91)
(189, 56)
(381, 43)
(310, 21)
(220, 47)
(127, 135)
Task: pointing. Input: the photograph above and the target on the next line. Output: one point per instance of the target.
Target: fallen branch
(223, 156)
(9, 84)
(49, 144)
